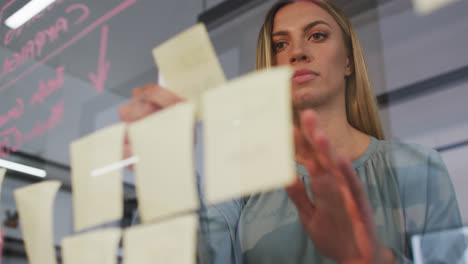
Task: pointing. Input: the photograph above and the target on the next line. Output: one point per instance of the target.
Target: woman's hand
(339, 221)
(146, 100)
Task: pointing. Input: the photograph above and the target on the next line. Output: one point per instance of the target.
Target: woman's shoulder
(411, 165)
(403, 147)
(402, 155)
(414, 166)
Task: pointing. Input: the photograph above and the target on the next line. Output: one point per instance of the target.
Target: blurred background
(55, 86)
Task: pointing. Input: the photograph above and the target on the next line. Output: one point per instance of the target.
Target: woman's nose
(299, 53)
(299, 58)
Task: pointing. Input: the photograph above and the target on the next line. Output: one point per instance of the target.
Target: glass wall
(66, 72)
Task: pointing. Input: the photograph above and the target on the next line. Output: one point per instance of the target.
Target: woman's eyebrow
(315, 23)
(280, 33)
(306, 28)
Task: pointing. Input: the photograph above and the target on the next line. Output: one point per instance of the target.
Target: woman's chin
(305, 97)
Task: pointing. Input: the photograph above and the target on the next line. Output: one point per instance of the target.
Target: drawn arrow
(99, 79)
(125, 4)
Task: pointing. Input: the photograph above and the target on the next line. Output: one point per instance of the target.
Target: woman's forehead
(298, 15)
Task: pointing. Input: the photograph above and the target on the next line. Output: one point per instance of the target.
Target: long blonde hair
(361, 107)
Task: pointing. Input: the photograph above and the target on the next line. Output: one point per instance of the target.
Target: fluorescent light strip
(22, 168)
(425, 7)
(465, 234)
(27, 12)
(115, 166)
(417, 252)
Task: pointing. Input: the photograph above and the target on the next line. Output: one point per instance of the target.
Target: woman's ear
(349, 66)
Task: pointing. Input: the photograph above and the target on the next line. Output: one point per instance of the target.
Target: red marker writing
(100, 78)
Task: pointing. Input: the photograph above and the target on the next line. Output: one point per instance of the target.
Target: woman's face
(306, 37)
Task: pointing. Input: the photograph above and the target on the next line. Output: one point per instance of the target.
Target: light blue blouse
(408, 187)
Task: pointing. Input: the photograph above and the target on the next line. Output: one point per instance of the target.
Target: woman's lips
(302, 76)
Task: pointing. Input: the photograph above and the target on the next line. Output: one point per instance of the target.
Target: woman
(354, 200)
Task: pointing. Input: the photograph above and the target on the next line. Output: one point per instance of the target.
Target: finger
(124, 112)
(308, 124)
(160, 96)
(146, 100)
(362, 204)
(306, 156)
(304, 153)
(127, 149)
(137, 91)
(326, 180)
(143, 89)
(309, 131)
(298, 194)
(325, 155)
(135, 110)
(300, 146)
(355, 186)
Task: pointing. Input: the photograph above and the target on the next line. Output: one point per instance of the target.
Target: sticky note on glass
(2, 176)
(97, 247)
(189, 64)
(35, 205)
(165, 173)
(97, 198)
(169, 242)
(427, 6)
(248, 135)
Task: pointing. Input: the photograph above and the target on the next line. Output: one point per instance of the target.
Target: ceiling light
(27, 12)
(22, 168)
(115, 166)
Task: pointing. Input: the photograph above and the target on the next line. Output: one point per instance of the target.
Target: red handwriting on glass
(80, 7)
(47, 88)
(53, 121)
(12, 138)
(99, 79)
(5, 147)
(14, 33)
(14, 113)
(99, 21)
(5, 142)
(33, 48)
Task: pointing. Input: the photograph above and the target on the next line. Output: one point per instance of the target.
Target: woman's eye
(279, 45)
(318, 36)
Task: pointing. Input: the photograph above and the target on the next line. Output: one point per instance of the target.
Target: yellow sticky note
(165, 174)
(97, 247)
(35, 205)
(97, 199)
(2, 176)
(169, 242)
(427, 6)
(248, 135)
(189, 64)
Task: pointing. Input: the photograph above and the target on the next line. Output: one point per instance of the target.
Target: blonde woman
(357, 198)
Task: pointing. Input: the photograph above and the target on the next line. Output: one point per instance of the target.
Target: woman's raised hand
(146, 100)
(339, 221)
